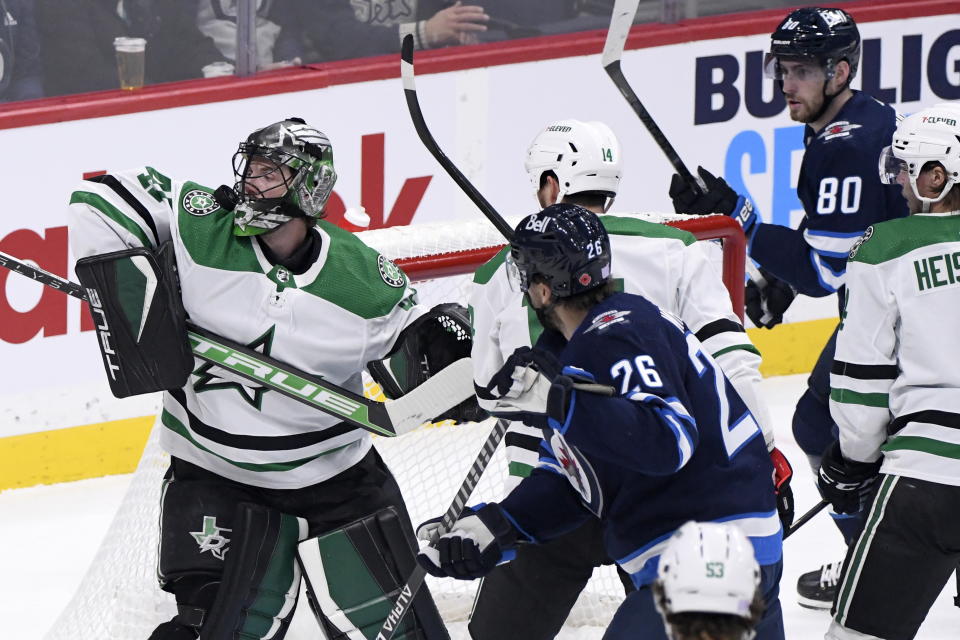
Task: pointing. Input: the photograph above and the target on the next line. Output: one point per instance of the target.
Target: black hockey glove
(845, 484)
(782, 475)
(766, 303)
(470, 550)
(718, 198)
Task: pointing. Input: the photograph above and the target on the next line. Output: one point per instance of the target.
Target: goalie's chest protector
(330, 320)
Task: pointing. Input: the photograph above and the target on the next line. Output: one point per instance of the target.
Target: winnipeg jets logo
(606, 319)
(211, 538)
(840, 129)
(578, 472)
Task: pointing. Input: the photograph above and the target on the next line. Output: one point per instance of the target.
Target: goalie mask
(708, 568)
(584, 157)
(565, 244)
(283, 171)
(930, 135)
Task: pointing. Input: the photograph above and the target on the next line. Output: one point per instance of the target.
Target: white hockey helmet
(585, 156)
(931, 134)
(708, 567)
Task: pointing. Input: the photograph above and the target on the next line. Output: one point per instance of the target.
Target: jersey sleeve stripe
(716, 327)
(848, 396)
(131, 200)
(829, 279)
(834, 245)
(865, 371)
(744, 347)
(522, 440)
(930, 416)
(113, 213)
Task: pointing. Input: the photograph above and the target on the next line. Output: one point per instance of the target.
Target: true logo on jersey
(199, 203)
(840, 129)
(859, 243)
(390, 273)
(211, 538)
(579, 472)
(606, 319)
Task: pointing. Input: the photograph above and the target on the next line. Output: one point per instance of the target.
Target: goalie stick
(624, 11)
(391, 418)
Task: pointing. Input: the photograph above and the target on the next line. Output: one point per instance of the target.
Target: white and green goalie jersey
(895, 381)
(663, 264)
(346, 309)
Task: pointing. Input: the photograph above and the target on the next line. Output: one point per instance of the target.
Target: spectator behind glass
(176, 48)
(217, 19)
(76, 38)
(21, 70)
(322, 30)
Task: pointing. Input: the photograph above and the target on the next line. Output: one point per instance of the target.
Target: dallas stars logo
(199, 203)
(211, 538)
(213, 378)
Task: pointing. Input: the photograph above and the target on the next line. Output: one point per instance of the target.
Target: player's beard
(547, 315)
(806, 111)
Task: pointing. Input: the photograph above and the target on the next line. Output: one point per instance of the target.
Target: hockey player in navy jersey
(675, 442)
(814, 55)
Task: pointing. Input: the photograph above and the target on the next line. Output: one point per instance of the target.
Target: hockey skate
(817, 589)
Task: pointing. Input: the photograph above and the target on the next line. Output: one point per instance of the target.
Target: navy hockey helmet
(566, 245)
(301, 156)
(825, 36)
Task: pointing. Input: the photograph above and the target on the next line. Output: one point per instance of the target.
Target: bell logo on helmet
(538, 224)
(199, 203)
(833, 17)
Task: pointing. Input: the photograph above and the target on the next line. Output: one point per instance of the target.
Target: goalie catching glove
(479, 540)
(433, 341)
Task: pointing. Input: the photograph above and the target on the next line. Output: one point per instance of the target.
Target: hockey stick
(802, 520)
(621, 20)
(415, 581)
(391, 418)
(413, 105)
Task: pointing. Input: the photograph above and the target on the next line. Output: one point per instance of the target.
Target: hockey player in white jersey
(707, 585)
(253, 474)
(580, 163)
(895, 392)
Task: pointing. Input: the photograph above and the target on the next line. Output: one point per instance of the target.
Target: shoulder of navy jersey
(862, 122)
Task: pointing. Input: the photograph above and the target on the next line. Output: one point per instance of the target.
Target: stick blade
(624, 11)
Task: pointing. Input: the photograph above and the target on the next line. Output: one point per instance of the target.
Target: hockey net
(119, 598)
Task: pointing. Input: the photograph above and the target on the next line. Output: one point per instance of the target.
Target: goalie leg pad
(356, 573)
(139, 317)
(435, 340)
(261, 578)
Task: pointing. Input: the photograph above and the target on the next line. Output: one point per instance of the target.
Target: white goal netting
(118, 597)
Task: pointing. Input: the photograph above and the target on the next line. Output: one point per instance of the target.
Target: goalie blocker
(435, 340)
(139, 318)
